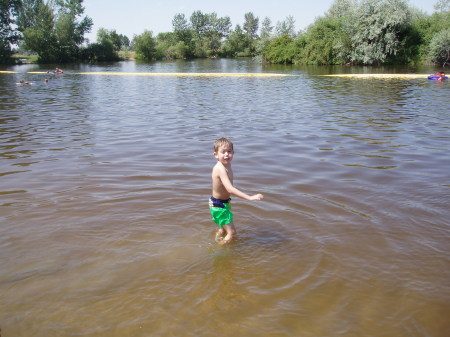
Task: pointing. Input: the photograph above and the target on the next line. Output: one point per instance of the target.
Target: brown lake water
(104, 222)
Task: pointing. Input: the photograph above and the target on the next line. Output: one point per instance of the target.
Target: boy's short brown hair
(221, 142)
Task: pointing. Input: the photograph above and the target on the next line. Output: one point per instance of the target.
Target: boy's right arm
(223, 175)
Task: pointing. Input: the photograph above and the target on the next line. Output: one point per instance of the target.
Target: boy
(222, 187)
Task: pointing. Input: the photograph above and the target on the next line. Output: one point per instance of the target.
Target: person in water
(441, 76)
(222, 188)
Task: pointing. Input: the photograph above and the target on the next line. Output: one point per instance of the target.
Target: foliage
(286, 27)
(208, 32)
(265, 35)
(183, 33)
(440, 47)
(442, 6)
(40, 38)
(99, 52)
(321, 43)
(280, 50)
(8, 34)
(145, 46)
(168, 48)
(376, 28)
(424, 28)
(360, 32)
(106, 48)
(351, 31)
(236, 44)
(54, 30)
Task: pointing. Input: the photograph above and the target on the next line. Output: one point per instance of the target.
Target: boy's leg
(219, 234)
(231, 233)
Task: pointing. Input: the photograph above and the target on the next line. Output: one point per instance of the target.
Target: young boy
(222, 187)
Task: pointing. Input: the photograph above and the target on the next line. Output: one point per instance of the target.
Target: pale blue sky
(132, 17)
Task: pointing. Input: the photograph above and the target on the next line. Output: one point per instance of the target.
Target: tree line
(350, 32)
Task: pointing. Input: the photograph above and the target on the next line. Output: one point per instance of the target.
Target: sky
(133, 17)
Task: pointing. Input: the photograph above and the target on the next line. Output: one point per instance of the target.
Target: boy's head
(223, 151)
(222, 142)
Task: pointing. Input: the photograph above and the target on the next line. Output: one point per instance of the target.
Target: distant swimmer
(440, 76)
(56, 71)
(23, 82)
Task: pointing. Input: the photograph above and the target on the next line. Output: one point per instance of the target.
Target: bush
(279, 50)
(439, 50)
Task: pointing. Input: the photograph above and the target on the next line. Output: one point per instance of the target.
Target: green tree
(110, 35)
(286, 27)
(183, 33)
(266, 29)
(168, 48)
(236, 43)
(124, 41)
(321, 43)
(440, 47)
(376, 30)
(56, 33)
(8, 34)
(281, 50)
(251, 25)
(145, 46)
(442, 6)
(265, 35)
(29, 14)
(40, 37)
(208, 32)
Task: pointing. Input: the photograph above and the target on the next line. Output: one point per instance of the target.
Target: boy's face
(224, 154)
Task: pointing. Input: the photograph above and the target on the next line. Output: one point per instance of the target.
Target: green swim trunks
(220, 211)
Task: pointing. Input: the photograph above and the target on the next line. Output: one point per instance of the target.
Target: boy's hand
(258, 196)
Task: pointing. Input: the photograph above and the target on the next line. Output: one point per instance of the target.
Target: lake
(104, 221)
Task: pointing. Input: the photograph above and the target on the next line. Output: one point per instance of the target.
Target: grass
(127, 54)
(21, 58)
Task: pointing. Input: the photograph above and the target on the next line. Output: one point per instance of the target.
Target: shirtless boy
(222, 188)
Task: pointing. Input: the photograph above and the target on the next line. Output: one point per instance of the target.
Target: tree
(8, 35)
(376, 30)
(182, 30)
(40, 37)
(442, 6)
(280, 50)
(236, 43)
(340, 9)
(251, 25)
(322, 39)
(266, 29)
(208, 32)
(29, 14)
(145, 46)
(440, 47)
(286, 27)
(54, 30)
(110, 35)
(265, 35)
